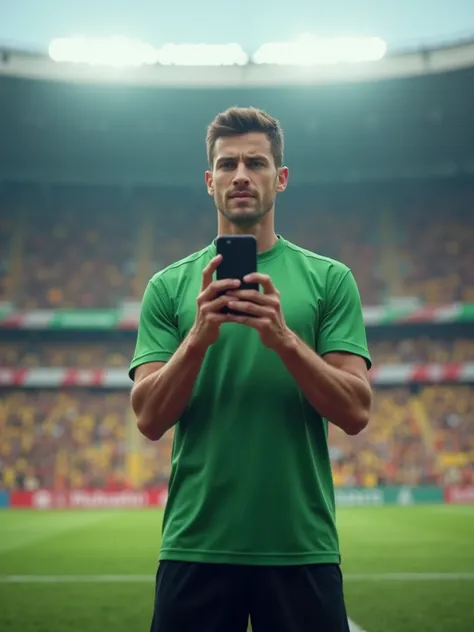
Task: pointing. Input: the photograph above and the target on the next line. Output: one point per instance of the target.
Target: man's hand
(265, 309)
(205, 330)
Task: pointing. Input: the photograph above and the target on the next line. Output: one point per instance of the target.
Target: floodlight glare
(116, 51)
(309, 50)
(202, 55)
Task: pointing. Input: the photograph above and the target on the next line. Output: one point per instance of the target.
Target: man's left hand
(265, 309)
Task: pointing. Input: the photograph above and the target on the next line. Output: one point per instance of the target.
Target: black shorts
(191, 597)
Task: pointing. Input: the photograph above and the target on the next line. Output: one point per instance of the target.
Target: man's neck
(264, 234)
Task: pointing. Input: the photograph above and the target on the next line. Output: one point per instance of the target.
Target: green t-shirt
(251, 478)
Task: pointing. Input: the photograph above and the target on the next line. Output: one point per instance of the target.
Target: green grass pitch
(407, 569)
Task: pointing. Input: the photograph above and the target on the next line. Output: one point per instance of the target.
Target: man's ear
(208, 177)
(282, 179)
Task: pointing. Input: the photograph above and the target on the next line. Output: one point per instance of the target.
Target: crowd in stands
(72, 439)
(452, 418)
(422, 350)
(78, 254)
(434, 253)
(82, 438)
(90, 248)
(390, 451)
(415, 436)
(87, 355)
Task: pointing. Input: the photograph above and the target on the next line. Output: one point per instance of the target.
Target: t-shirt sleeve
(342, 326)
(158, 336)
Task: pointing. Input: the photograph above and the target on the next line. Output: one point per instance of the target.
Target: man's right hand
(209, 319)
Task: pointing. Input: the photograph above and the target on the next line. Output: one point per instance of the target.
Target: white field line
(56, 579)
(353, 627)
(144, 579)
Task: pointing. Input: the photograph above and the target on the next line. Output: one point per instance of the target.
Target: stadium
(101, 186)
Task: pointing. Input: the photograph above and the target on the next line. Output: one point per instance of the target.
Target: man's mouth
(241, 195)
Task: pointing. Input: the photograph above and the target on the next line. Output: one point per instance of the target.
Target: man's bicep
(158, 335)
(342, 327)
(348, 362)
(144, 370)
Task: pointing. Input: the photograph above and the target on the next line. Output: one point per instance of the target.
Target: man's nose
(241, 176)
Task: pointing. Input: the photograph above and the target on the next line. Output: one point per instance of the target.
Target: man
(249, 526)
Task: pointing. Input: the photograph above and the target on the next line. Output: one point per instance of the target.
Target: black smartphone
(239, 258)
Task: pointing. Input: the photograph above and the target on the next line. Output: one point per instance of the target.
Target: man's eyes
(252, 164)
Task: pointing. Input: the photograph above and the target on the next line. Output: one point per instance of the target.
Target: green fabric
(251, 479)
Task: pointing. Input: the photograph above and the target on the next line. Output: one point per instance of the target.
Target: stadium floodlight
(202, 55)
(116, 51)
(309, 50)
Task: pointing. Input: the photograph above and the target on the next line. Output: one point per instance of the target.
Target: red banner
(459, 495)
(89, 499)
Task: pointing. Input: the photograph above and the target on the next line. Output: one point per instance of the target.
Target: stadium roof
(407, 124)
(417, 62)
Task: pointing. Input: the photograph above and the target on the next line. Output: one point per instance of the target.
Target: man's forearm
(160, 399)
(342, 398)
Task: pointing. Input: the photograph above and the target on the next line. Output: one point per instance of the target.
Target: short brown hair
(237, 121)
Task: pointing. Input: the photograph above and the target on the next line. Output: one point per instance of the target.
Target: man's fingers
(256, 323)
(209, 271)
(246, 307)
(255, 296)
(209, 293)
(263, 280)
(216, 305)
(218, 319)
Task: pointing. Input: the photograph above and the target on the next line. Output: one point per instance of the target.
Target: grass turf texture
(377, 543)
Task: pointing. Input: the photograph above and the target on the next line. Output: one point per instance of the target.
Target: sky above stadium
(34, 23)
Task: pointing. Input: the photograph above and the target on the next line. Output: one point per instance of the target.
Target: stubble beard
(246, 219)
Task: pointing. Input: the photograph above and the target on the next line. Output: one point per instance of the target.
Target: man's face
(244, 180)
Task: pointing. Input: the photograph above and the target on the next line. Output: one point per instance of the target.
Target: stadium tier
(84, 248)
(36, 353)
(71, 439)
